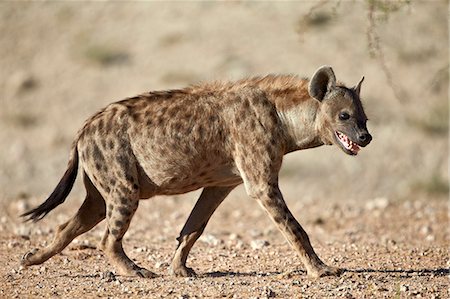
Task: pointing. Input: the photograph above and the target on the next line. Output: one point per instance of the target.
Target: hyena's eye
(344, 116)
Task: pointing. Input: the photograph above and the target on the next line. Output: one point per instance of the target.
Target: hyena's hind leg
(208, 202)
(121, 206)
(90, 213)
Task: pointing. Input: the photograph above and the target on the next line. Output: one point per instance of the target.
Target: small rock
(13, 244)
(254, 233)
(233, 237)
(348, 295)
(22, 206)
(210, 240)
(108, 276)
(430, 238)
(258, 244)
(379, 203)
(319, 221)
(22, 230)
(159, 265)
(141, 249)
(404, 288)
(268, 292)
(425, 230)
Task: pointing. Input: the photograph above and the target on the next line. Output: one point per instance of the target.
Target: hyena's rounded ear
(357, 88)
(322, 82)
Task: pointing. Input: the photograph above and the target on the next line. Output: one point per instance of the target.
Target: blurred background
(60, 62)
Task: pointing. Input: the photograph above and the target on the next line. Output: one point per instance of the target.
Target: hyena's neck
(300, 126)
(296, 109)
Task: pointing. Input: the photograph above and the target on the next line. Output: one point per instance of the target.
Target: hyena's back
(170, 142)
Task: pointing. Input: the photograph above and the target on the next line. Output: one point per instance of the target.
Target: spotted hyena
(211, 136)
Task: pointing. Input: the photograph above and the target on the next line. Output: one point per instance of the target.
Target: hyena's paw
(325, 270)
(27, 258)
(143, 273)
(182, 271)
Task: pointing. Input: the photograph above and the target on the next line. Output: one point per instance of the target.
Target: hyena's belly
(171, 181)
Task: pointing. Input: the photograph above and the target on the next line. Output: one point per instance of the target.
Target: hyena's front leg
(208, 202)
(260, 175)
(272, 201)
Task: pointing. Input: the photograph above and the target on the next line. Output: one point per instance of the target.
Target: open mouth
(347, 145)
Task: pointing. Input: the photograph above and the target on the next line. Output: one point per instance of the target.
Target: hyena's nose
(364, 138)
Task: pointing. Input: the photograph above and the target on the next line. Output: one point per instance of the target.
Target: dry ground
(383, 215)
(391, 249)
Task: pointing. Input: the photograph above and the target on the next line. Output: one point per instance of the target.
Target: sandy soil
(382, 215)
(390, 249)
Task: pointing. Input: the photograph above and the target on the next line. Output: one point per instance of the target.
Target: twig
(377, 52)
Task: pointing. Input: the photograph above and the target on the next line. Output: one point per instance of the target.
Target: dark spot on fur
(87, 130)
(118, 223)
(273, 194)
(96, 153)
(172, 113)
(111, 144)
(252, 124)
(124, 211)
(278, 219)
(136, 116)
(273, 142)
(188, 129)
(186, 150)
(109, 124)
(124, 190)
(101, 125)
(149, 122)
(200, 130)
(124, 200)
(114, 232)
(177, 127)
(266, 103)
(129, 178)
(135, 186)
(123, 162)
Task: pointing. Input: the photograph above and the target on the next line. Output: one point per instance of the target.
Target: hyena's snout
(364, 138)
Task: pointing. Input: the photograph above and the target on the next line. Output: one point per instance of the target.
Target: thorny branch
(373, 39)
(376, 51)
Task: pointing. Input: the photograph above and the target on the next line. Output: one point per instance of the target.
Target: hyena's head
(341, 116)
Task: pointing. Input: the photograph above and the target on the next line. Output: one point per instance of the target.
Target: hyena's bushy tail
(61, 191)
